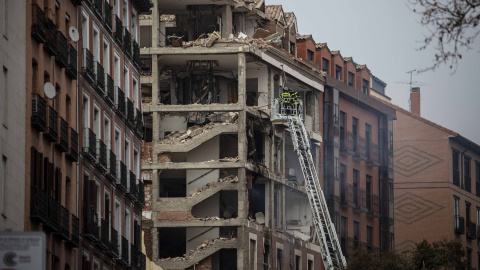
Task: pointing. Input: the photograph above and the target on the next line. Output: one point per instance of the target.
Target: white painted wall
(171, 123)
(192, 232)
(261, 73)
(297, 207)
(209, 150)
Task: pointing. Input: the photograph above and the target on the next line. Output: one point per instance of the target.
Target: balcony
(133, 190)
(136, 54)
(471, 230)
(130, 113)
(74, 235)
(62, 144)
(118, 27)
(124, 258)
(120, 103)
(64, 223)
(104, 235)
(349, 195)
(134, 256)
(99, 79)
(122, 176)
(39, 205)
(113, 248)
(90, 224)
(87, 65)
(52, 132)
(373, 158)
(459, 224)
(363, 200)
(50, 37)
(360, 147)
(53, 215)
(141, 194)
(38, 24)
(101, 160)
(39, 113)
(72, 153)
(109, 90)
(346, 142)
(138, 123)
(71, 69)
(112, 165)
(62, 46)
(98, 7)
(373, 205)
(127, 42)
(89, 144)
(107, 14)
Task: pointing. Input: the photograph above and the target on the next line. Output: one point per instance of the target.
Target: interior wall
(171, 123)
(209, 233)
(209, 150)
(261, 73)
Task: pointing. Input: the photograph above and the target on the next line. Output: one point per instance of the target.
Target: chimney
(415, 100)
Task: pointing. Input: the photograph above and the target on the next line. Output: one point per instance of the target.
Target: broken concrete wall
(169, 123)
(262, 87)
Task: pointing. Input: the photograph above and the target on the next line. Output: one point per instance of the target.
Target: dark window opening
(252, 91)
(351, 78)
(173, 183)
(309, 55)
(343, 234)
(172, 242)
(266, 253)
(356, 234)
(256, 199)
(298, 262)
(338, 72)
(477, 178)
(365, 86)
(355, 187)
(293, 48)
(325, 65)
(255, 145)
(309, 265)
(467, 178)
(228, 145)
(279, 259)
(355, 133)
(456, 172)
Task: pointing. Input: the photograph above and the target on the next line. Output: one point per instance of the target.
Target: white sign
(22, 251)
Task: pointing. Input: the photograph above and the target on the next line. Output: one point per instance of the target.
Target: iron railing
(109, 90)
(471, 230)
(39, 205)
(146, 66)
(74, 235)
(50, 37)
(120, 103)
(113, 249)
(38, 24)
(136, 54)
(101, 160)
(99, 79)
(459, 224)
(134, 256)
(373, 154)
(104, 235)
(347, 195)
(107, 11)
(363, 200)
(125, 251)
(361, 151)
(118, 29)
(143, 262)
(73, 145)
(132, 182)
(62, 46)
(130, 113)
(71, 69)
(374, 205)
(87, 65)
(127, 42)
(90, 224)
(98, 7)
(39, 113)
(64, 223)
(112, 165)
(346, 141)
(122, 176)
(63, 142)
(89, 144)
(53, 216)
(52, 132)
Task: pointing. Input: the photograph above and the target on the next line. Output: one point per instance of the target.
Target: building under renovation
(224, 188)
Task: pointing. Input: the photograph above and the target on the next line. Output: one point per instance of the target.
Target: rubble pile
(205, 244)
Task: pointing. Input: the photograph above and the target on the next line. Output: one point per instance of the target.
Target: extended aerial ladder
(291, 112)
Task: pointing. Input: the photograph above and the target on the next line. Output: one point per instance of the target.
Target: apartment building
(12, 112)
(224, 188)
(357, 150)
(110, 128)
(51, 130)
(437, 183)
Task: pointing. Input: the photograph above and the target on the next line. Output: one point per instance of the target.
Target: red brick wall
(359, 77)
(350, 67)
(323, 53)
(337, 60)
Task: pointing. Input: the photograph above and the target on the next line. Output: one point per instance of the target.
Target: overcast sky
(385, 36)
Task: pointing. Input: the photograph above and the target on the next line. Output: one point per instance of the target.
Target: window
(365, 86)
(343, 233)
(68, 190)
(355, 133)
(126, 83)
(106, 132)
(106, 57)
(96, 44)
(338, 72)
(126, 232)
(96, 264)
(279, 258)
(309, 264)
(3, 177)
(309, 55)
(118, 217)
(456, 172)
(116, 67)
(253, 254)
(298, 262)
(368, 181)
(369, 237)
(68, 108)
(106, 205)
(4, 17)
(136, 163)
(134, 25)
(466, 172)
(343, 170)
(342, 129)
(351, 78)
(135, 93)
(325, 64)
(118, 149)
(67, 22)
(356, 234)
(469, 258)
(127, 154)
(467, 211)
(456, 211)
(477, 179)
(85, 27)
(96, 121)
(368, 135)
(125, 14)
(86, 111)
(478, 215)
(4, 96)
(355, 187)
(293, 49)
(266, 252)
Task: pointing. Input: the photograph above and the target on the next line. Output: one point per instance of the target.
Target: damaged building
(223, 186)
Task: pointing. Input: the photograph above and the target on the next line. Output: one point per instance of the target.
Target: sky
(386, 35)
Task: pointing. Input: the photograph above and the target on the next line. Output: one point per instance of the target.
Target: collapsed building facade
(223, 186)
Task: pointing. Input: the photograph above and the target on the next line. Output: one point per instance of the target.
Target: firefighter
(294, 102)
(286, 100)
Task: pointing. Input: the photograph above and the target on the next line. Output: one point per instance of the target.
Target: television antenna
(411, 83)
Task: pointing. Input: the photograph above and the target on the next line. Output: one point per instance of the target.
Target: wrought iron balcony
(346, 142)
(87, 65)
(64, 223)
(50, 37)
(71, 69)
(114, 244)
(471, 230)
(53, 215)
(99, 79)
(362, 204)
(98, 7)
(130, 113)
(62, 46)
(125, 248)
(120, 103)
(73, 145)
(459, 224)
(136, 54)
(38, 24)
(63, 142)
(112, 165)
(52, 132)
(118, 27)
(127, 42)
(373, 154)
(101, 157)
(74, 235)
(104, 235)
(349, 195)
(107, 14)
(39, 113)
(132, 186)
(141, 194)
(89, 144)
(90, 224)
(360, 152)
(134, 256)
(374, 205)
(39, 205)
(109, 90)
(139, 123)
(122, 176)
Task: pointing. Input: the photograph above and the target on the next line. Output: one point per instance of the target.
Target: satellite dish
(49, 90)
(73, 33)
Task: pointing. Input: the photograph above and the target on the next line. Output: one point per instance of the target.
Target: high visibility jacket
(285, 96)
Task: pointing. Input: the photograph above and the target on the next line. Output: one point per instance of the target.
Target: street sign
(22, 251)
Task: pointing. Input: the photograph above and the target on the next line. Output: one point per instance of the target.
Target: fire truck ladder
(327, 236)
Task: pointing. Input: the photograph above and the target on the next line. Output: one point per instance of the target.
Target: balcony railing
(64, 223)
(132, 182)
(114, 244)
(134, 256)
(71, 69)
(63, 142)
(139, 123)
(127, 42)
(53, 215)
(349, 195)
(104, 235)
(141, 194)
(38, 24)
(363, 200)
(89, 144)
(101, 157)
(99, 79)
(124, 251)
(120, 103)
(373, 154)
(130, 113)
(118, 29)
(87, 65)
(52, 132)
(374, 205)
(112, 165)
(136, 54)
(122, 176)
(90, 224)
(74, 236)
(471, 230)
(107, 14)
(62, 46)
(73, 145)
(346, 141)
(39, 205)
(50, 37)
(109, 90)
(98, 7)
(459, 224)
(352, 245)
(361, 149)
(39, 113)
